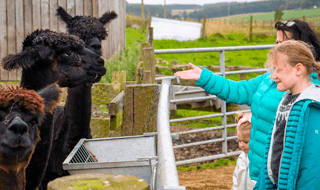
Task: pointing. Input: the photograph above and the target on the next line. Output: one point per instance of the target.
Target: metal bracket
(173, 136)
(153, 168)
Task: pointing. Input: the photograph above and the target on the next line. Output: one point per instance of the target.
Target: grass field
(310, 14)
(252, 58)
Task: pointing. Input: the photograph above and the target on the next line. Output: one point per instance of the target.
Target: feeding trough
(128, 155)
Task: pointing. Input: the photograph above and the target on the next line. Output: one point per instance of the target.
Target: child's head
(243, 131)
(292, 63)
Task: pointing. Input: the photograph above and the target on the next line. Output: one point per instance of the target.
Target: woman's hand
(193, 74)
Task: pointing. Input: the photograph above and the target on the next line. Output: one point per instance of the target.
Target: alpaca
(92, 31)
(49, 57)
(21, 112)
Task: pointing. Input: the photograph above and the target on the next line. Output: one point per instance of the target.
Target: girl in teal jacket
(292, 149)
(260, 93)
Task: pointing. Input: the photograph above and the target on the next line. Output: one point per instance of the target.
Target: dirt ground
(218, 178)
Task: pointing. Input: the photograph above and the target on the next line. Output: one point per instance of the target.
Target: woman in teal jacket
(260, 93)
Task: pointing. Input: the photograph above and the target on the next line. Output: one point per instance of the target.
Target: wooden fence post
(139, 72)
(148, 66)
(263, 23)
(118, 78)
(142, 10)
(204, 27)
(116, 112)
(149, 20)
(304, 18)
(250, 28)
(140, 109)
(148, 23)
(149, 30)
(151, 36)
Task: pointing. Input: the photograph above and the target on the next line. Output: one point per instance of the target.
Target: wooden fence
(18, 18)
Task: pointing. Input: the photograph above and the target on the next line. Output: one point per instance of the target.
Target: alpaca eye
(34, 122)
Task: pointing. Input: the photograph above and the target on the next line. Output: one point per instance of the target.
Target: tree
(184, 14)
(277, 15)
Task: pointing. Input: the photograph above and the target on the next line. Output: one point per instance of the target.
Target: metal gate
(224, 139)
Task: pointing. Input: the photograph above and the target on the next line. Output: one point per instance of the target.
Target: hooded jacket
(299, 168)
(262, 95)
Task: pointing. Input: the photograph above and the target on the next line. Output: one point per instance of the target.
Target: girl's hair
(297, 52)
(244, 123)
(301, 30)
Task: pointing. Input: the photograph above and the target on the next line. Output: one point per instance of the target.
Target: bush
(133, 19)
(126, 60)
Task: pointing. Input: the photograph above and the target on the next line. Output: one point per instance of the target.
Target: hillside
(223, 9)
(311, 14)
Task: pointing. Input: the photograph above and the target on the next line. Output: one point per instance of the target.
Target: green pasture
(218, 163)
(310, 14)
(252, 58)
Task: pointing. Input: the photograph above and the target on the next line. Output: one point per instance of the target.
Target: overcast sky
(199, 2)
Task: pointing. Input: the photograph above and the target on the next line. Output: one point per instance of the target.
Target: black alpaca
(50, 57)
(92, 31)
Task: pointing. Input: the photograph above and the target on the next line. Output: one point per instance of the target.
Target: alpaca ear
(51, 96)
(64, 16)
(107, 17)
(26, 58)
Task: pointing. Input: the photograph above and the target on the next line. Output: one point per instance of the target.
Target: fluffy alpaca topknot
(86, 27)
(28, 99)
(51, 39)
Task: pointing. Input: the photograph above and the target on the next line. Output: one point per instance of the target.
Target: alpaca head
(91, 30)
(21, 112)
(49, 57)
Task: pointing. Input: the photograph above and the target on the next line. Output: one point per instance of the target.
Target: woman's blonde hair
(297, 52)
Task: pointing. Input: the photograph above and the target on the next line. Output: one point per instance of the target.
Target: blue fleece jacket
(262, 95)
(299, 164)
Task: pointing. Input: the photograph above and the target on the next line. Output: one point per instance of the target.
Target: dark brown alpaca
(21, 113)
(50, 57)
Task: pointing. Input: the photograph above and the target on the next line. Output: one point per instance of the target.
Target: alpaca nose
(95, 46)
(18, 126)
